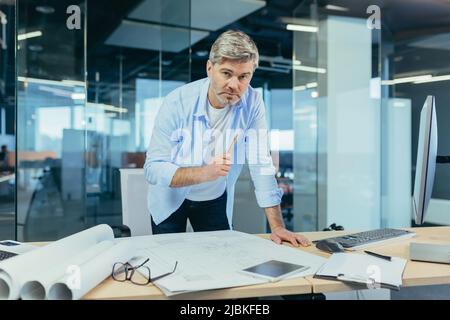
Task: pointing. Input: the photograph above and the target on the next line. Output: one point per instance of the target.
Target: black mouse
(330, 246)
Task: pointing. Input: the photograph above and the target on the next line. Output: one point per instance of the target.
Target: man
(201, 134)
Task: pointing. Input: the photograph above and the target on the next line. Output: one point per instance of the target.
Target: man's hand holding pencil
(220, 165)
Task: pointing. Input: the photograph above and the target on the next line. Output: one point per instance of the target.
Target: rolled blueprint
(16, 271)
(92, 273)
(37, 289)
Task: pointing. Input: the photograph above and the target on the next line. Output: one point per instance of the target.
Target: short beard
(223, 102)
(226, 102)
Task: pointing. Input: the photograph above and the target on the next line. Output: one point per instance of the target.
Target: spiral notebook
(363, 269)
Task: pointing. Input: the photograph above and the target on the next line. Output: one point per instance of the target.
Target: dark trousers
(207, 215)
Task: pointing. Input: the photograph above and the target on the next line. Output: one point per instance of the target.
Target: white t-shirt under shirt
(219, 121)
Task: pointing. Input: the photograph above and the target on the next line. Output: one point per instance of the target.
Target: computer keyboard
(360, 240)
(5, 255)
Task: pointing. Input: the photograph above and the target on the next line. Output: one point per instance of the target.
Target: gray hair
(234, 45)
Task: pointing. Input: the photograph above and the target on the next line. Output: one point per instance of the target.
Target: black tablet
(274, 270)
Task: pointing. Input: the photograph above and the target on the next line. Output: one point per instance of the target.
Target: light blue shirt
(182, 132)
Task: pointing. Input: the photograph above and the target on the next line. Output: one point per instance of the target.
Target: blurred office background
(82, 81)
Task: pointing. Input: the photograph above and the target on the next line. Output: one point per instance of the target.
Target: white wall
(438, 212)
(396, 167)
(349, 127)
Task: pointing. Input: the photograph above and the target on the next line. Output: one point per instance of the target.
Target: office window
(7, 121)
(88, 95)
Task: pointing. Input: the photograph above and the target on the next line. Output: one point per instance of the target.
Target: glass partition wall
(89, 85)
(7, 119)
(51, 99)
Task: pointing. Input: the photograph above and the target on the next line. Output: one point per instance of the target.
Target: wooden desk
(110, 289)
(416, 274)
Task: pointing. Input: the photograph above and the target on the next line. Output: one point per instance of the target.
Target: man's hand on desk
(281, 234)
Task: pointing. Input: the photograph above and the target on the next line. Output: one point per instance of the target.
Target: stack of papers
(364, 269)
(214, 260)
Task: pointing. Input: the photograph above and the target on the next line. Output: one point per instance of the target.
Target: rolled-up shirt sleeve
(259, 160)
(159, 168)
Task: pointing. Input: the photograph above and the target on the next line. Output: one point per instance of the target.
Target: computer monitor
(426, 159)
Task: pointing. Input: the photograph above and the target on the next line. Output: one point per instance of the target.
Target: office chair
(135, 215)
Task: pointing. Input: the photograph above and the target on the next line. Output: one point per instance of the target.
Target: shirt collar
(203, 102)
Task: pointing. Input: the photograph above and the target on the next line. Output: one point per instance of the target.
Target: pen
(378, 255)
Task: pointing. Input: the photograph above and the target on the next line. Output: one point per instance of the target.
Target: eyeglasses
(125, 271)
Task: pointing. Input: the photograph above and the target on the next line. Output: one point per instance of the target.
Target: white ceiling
(440, 41)
(206, 15)
(153, 37)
